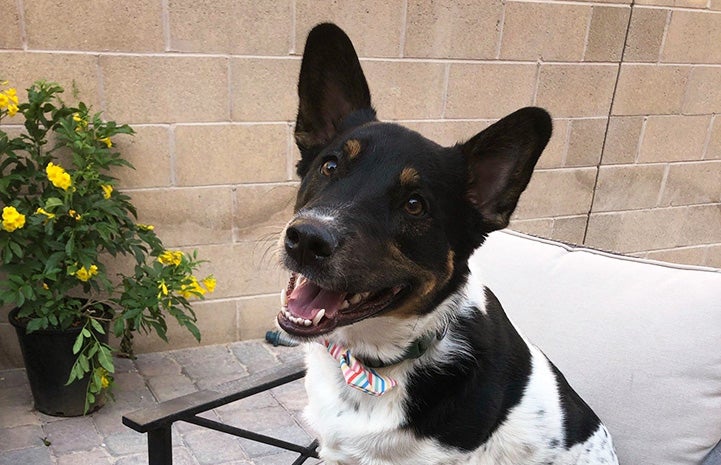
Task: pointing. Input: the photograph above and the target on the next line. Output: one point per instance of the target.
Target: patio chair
(639, 340)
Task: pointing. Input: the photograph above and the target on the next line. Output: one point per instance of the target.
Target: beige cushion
(640, 341)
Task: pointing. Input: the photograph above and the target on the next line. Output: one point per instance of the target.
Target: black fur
(462, 403)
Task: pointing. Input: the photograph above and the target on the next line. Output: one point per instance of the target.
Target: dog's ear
(500, 161)
(331, 87)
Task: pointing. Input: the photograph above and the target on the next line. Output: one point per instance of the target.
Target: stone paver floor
(28, 437)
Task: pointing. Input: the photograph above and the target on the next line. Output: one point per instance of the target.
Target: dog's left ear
(331, 87)
(500, 161)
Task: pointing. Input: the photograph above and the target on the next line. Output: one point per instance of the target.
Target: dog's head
(385, 219)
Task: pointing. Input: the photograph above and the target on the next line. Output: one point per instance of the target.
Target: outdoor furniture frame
(637, 339)
(157, 421)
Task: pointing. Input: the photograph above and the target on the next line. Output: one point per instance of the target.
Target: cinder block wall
(634, 165)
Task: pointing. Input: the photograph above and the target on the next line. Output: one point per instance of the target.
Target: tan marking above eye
(410, 177)
(352, 148)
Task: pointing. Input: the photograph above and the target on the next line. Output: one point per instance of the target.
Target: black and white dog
(411, 360)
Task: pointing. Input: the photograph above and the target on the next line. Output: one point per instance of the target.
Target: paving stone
(181, 456)
(21, 437)
(292, 395)
(258, 401)
(128, 381)
(180, 427)
(13, 378)
(156, 364)
(72, 434)
(126, 443)
(210, 447)
(170, 386)
(255, 357)
(123, 364)
(284, 458)
(292, 433)
(219, 381)
(209, 362)
(91, 457)
(18, 415)
(108, 420)
(33, 455)
(287, 354)
(18, 396)
(262, 419)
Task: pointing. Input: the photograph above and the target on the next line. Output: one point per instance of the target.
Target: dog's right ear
(330, 88)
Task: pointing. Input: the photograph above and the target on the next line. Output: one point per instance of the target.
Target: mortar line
(404, 22)
(165, 20)
(662, 187)
(666, 27)
(21, 20)
(502, 22)
(588, 34)
(641, 136)
(709, 134)
(293, 27)
(446, 83)
(608, 122)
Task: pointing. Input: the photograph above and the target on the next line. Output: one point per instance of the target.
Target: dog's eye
(329, 167)
(415, 205)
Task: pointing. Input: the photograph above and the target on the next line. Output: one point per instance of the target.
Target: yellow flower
(106, 141)
(12, 219)
(4, 100)
(84, 274)
(12, 110)
(74, 214)
(146, 227)
(43, 212)
(104, 381)
(77, 118)
(12, 95)
(171, 258)
(58, 176)
(209, 283)
(107, 190)
(192, 289)
(45, 286)
(163, 288)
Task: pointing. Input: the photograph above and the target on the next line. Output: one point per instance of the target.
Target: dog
(411, 360)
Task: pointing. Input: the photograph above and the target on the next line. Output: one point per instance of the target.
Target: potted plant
(64, 226)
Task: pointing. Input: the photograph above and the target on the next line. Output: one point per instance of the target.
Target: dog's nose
(309, 242)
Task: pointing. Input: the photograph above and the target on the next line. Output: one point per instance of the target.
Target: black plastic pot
(48, 356)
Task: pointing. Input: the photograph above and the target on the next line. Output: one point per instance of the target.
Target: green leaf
(97, 326)
(84, 364)
(34, 324)
(78, 343)
(85, 332)
(17, 250)
(53, 202)
(105, 358)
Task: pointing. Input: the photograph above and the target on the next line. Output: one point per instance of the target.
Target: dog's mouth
(308, 310)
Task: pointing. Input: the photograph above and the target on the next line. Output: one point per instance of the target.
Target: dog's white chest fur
(356, 428)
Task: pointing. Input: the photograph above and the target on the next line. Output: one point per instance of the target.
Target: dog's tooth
(355, 299)
(319, 316)
(300, 280)
(283, 297)
(344, 305)
(307, 322)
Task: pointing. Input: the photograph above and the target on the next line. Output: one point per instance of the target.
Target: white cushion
(640, 341)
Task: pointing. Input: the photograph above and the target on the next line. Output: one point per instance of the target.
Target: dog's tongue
(307, 299)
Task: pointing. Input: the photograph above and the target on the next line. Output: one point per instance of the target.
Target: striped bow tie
(358, 375)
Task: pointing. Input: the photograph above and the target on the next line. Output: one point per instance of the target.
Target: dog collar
(362, 375)
(413, 351)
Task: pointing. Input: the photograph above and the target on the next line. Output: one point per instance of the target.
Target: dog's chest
(358, 429)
